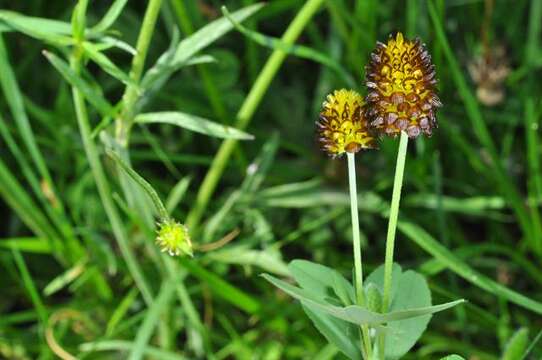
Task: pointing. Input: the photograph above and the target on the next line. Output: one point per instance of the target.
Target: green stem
(358, 266)
(138, 63)
(392, 226)
(244, 116)
(102, 184)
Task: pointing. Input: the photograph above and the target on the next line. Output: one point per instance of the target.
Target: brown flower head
(343, 126)
(401, 82)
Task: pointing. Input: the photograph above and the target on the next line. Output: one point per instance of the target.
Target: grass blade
(114, 11)
(193, 123)
(480, 129)
(107, 65)
(190, 46)
(222, 288)
(426, 242)
(31, 245)
(301, 51)
(75, 80)
(151, 320)
(48, 30)
(120, 345)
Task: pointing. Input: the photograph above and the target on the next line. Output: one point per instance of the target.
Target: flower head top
(401, 82)
(173, 238)
(342, 126)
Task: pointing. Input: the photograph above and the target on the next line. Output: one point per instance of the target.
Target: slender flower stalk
(342, 129)
(358, 265)
(392, 227)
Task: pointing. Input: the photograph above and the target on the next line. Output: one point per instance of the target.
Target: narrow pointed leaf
(105, 64)
(193, 123)
(110, 16)
(71, 77)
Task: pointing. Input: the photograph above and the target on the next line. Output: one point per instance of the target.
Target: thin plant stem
(358, 265)
(100, 178)
(392, 227)
(244, 116)
(358, 268)
(124, 122)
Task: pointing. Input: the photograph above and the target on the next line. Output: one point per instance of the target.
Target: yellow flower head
(401, 82)
(173, 238)
(342, 126)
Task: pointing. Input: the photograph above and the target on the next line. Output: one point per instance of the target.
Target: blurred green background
(475, 187)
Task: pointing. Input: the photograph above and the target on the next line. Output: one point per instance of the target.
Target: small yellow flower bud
(173, 238)
(342, 126)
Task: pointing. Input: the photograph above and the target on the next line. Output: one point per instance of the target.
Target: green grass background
(469, 218)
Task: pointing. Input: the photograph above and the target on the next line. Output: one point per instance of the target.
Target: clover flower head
(401, 82)
(342, 126)
(173, 238)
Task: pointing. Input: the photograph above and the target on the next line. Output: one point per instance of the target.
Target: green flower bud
(173, 238)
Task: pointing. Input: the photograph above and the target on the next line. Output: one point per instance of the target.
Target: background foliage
(470, 213)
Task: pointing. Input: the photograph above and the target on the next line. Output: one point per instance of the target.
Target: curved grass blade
(110, 16)
(193, 123)
(304, 52)
(48, 30)
(425, 241)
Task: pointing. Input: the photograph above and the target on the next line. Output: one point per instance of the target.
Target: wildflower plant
(382, 316)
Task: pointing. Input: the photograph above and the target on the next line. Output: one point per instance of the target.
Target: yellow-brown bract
(401, 82)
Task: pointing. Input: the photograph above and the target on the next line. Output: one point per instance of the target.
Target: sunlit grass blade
(48, 30)
(30, 244)
(114, 11)
(193, 123)
(64, 279)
